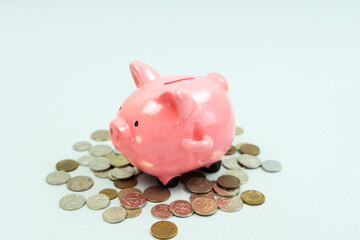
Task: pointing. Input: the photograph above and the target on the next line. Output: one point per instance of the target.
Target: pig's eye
(136, 124)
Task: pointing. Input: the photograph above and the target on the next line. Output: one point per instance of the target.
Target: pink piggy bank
(172, 125)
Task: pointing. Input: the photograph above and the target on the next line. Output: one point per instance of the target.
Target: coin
(253, 197)
(128, 190)
(110, 192)
(228, 181)
(99, 164)
(164, 230)
(81, 146)
(186, 176)
(204, 206)
(117, 160)
(116, 151)
(229, 204)
(157, 194)
(100, 150)
(67, 165)
(239, 130)
(98, 201)
(249, 161)
(100, 135)
(72, 202)
(123, 173)
(241, 175)
(249, 149)
(85, 160)
(137, 171)
(131, 213)
(110, 176)
(231, 162)
(237, 146)
(226, 192)
(199, 185)
(161, 211)
(114, 214)
(181, 208)
(271, 166)
(232, 150)
(79, 183)
(195, 196)
(102, 174)
(57, 178)
(126, 183)
(133, 200)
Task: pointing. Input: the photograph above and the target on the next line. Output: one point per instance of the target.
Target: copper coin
(195, 196)
(232, 150)
(204, 206)
(229, 204)
(125, 183)
(253, 197)
(133, 200)
(157, 194)
(161, 211)
(186, 176)
(79, 183)
(228, 181)
(164, 230)
(100, 135)
(249, 149)
(181, 208)
(128, 190)
(131, 213)
(226, 192)
(199, 185)
(67, 165)
(110, 192)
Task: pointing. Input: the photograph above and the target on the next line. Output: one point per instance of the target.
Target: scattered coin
(126, 183)
(117, 160)
(241, 175)
(161, 211)
(100, 150)
(249, 149)
(57, 178)
(228, 181)
(123, 173)
(226, 192)
(72, 202)
(110, 176)
(67, 165)
(271, 166)
(195, 196)
(85, 160)
(100, 135)
(99, 164)
(137, 171)
(229, 204)
(79, 183)
(82, 146)
(237, 146)
(249, 161)
(232, 150)
(131, 213)
(110, 192)
(133, 200)
(157, 194)
(116, 151)
(98, 201)
(253, 197)
(199, 185)
(181, 208)
(239, 130)
(128, 190)
(204, 206)
(114, 214)
(164, 230)
(102, 174)
(186, 176)
(231, 162)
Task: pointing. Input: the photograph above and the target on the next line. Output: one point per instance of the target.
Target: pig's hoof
(213, 167)
(172, 183)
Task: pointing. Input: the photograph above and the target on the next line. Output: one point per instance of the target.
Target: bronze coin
(125, 183)
(204, 206)
(253, 197)
(67, 165)
(128, 190)
(199, 185)
(228, 181)
(110, 192)
(157, 194)
(131, 213)
(232, 150)
(186, 176)
(164, 230)
(226, 192)
(249, 149)
(208, 195)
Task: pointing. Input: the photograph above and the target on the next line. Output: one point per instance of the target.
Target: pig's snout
(120, 134)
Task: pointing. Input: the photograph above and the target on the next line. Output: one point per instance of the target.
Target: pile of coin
(206, 196)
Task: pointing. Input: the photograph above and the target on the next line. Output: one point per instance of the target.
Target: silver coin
(116, 151)
(114, 214)
(231, 162)
(241, 175)
(79, 183)
(271, 166)
(102, 174)
(85, 160)
(123, 173)
(249, 161)
(100, 150)
(81, 146)
(137, 171)
(109, 176)
(229, 204)
(57, 178)
(72, 201)
(98, 201)
(100, 164)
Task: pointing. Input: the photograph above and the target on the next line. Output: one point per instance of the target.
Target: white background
(293, 72)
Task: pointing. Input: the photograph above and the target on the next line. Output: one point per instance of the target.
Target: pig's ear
(218, 79)
(181, 102)
(142, 73)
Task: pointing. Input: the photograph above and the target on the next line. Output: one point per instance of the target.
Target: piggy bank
(175, 124)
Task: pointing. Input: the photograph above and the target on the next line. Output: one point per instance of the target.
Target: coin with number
(100, 135)
(164, 230)
(271, 166)
(161, 211)
(181, 208)
(226, 192)
(253, 197)
(100, 164)
(228, 181)
(157, 194)
(98, 201)
(85, 160)
(249, 149)
(67, 165)
(199, 185)
(110, 192)
(57, 178)
(114, 214)
(249, 161)
(100, 150)
(72, 202)
(81, 146)
(229, 204)
(79, 183)
(133, 200)
(204, 206)
(131, 213)
(231, 162)
(241, 175)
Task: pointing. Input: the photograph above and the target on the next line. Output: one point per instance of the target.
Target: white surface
(293, 71)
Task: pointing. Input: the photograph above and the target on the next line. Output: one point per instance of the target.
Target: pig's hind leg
(213, 167)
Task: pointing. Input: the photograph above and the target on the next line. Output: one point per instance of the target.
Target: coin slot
(178, 80)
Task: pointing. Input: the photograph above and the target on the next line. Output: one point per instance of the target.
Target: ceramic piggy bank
(175, 124)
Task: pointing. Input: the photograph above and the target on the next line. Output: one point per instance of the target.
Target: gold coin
(231, 150)
(249, 149)
(253, 197)
(164, 230)
(67, 165)
(237, 146)
(131, 213)
(126, 183)
(110, 192)
(239, 131)
(117, 160)
(100, 135)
